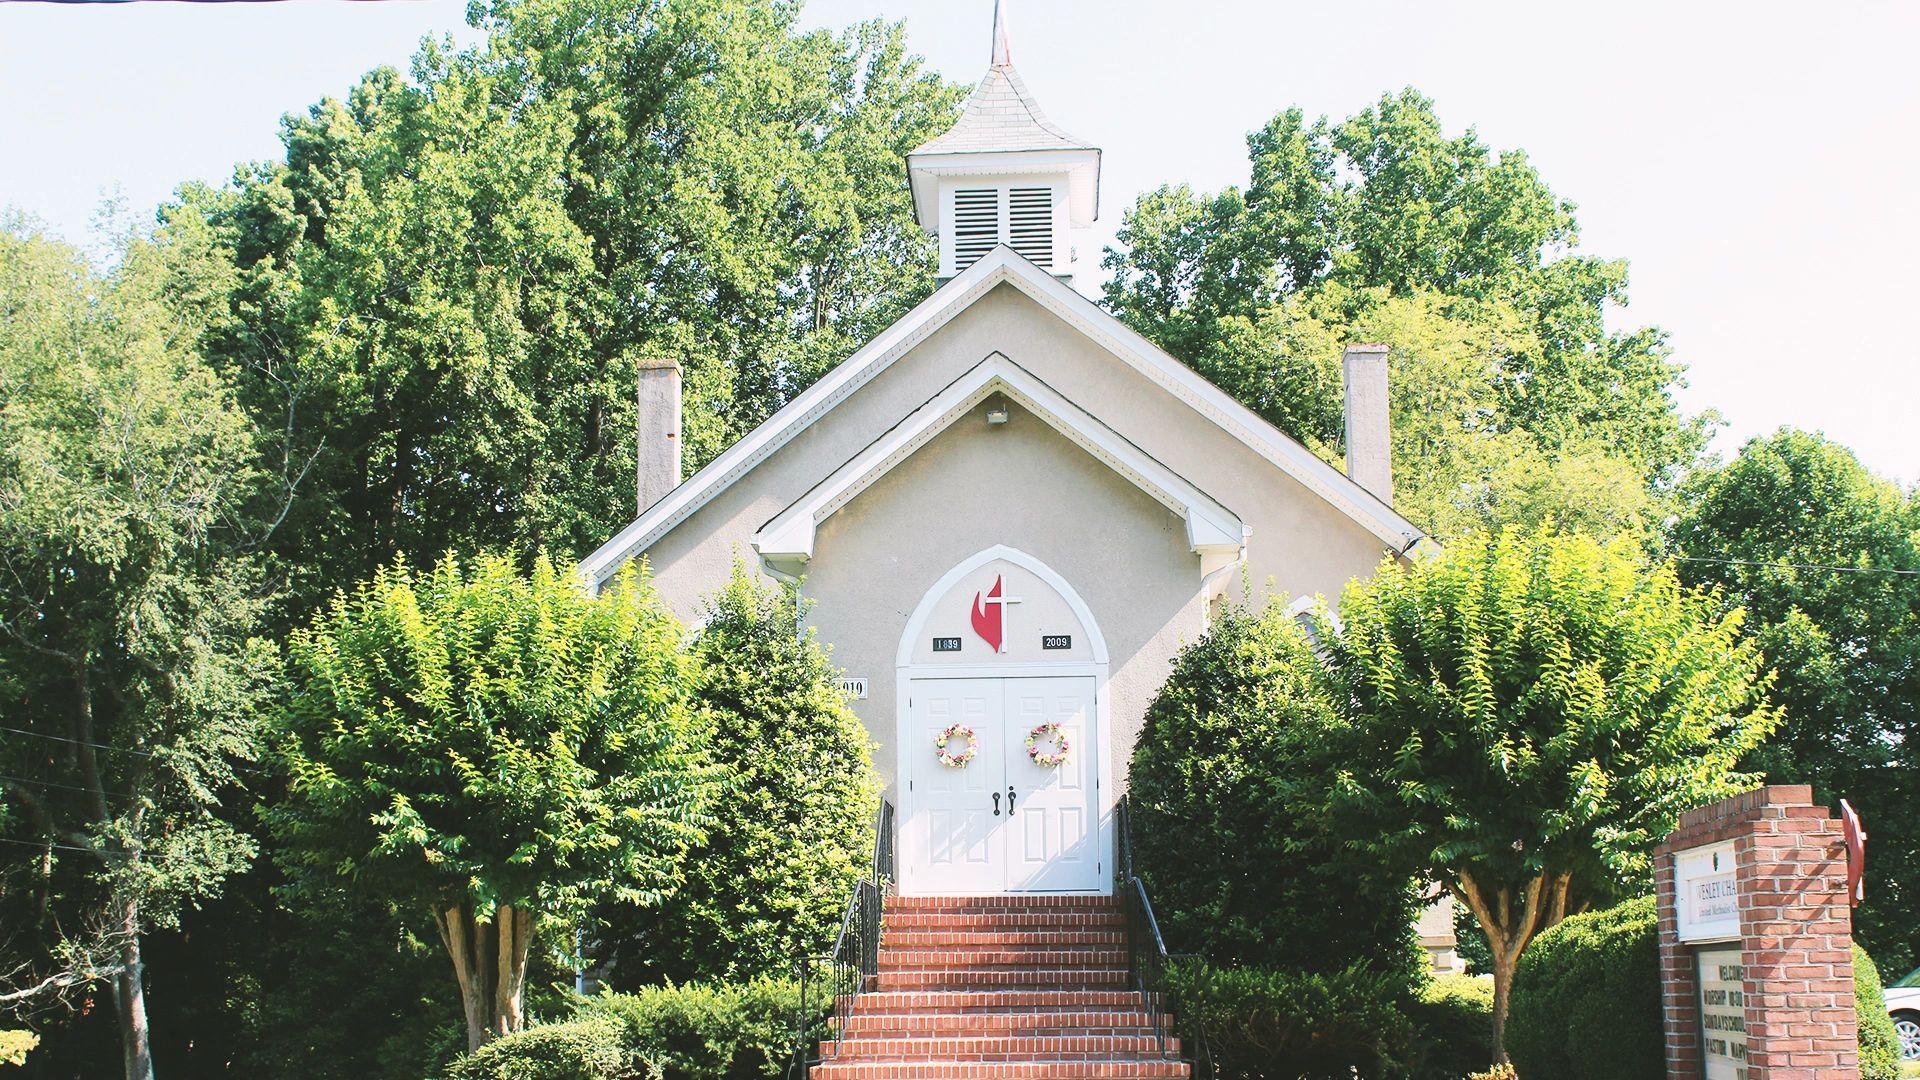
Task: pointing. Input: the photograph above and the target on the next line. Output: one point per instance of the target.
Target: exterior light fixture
(997, 413)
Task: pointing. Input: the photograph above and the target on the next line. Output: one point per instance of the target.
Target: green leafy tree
(444, 293)
(1527, 716)
(1240, 868)
(794, 832)
(1384, 228)
(496, 750)
(1825, 559)
(130, 673)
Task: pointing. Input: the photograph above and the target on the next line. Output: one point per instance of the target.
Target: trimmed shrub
(1453, 1016)
(795, 832)
(1223, 814)
(589, 1048)
(1879, 1043)
(1586, 998)
(1266, 1024)
(708, 1032)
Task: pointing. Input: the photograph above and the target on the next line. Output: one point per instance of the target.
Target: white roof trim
(1211, 528)
(1003, 265)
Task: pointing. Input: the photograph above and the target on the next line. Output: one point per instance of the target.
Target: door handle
(1009, 800)
(996, 804)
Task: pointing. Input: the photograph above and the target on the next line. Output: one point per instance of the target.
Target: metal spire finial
(1001, 54)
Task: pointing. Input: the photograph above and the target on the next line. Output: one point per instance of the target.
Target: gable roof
(1004, 266)
(1212, 529)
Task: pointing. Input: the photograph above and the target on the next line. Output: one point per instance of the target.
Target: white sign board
(855, 688)
(1723, 1014)
(1707, 894)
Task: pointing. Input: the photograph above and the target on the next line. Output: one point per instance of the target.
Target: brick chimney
(1369, 442)
(658, 421)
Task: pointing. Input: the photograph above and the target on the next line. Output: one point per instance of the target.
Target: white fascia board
(1003, 264)
(1211, 527)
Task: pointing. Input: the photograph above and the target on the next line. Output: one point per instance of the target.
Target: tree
(1527, 715)
(444, 293)
(1384, 223)
(793, 835)
(1823, 556)
(1241, 869)
(130, 673)
(496, 750)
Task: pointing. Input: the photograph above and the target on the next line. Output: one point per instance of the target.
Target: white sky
(1758, 163)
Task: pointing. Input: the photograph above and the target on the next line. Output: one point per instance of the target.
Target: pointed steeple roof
(1002, 114)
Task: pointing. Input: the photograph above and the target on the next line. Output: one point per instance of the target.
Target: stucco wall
(1024, 485)
(876, 556)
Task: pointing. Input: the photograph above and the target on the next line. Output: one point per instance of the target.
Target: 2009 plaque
(1056, 641)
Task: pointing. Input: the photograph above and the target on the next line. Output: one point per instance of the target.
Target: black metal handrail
(1148, 958)
(850, 968)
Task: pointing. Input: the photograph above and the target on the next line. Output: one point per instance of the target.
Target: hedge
(1586, 998)
(1267, 1024)
(1223, 813)
(1586, 1002)
(693, 1032)
(1454, 1017)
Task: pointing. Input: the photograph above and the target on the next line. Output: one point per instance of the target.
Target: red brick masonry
(1796, 931)
(1003, 988)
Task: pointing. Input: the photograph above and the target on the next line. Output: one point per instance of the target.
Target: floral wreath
(956, 761)
(1041, 757)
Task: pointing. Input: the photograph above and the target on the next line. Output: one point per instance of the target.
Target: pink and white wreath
(959, 760)
(1042, 758)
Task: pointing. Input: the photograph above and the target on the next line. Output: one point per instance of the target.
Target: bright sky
(1757, 162)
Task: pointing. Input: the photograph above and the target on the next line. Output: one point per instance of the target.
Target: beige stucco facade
(1022, 484)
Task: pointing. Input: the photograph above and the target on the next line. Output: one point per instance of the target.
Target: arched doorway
(1004, 647)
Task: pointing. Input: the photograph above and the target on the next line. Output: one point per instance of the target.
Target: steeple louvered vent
(1023, 216)
(1030, 223)
(976, 224)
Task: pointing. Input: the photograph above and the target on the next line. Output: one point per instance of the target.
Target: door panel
(1046, 837)
(952, 844)
(1057, 845)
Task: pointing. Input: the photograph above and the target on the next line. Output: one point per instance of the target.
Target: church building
(1008, 512)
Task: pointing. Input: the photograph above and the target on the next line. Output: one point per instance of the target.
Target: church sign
(1708, 896)
(1723, 1014)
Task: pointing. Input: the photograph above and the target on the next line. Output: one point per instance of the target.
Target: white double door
(1001, 823)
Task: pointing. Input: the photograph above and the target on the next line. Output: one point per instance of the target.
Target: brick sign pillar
(1756, 938)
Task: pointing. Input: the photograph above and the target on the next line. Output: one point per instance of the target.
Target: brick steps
(1001, 988)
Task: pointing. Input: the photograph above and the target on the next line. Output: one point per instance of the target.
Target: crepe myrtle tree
(496, 750)
(1528, 715)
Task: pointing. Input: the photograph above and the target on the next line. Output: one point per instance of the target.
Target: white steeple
(1004, 174)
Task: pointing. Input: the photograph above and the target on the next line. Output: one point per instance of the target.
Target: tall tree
(445, 291)
(493, 750)
(130, 676)
(1825, 558)
(1348, 228)
(1527, 715)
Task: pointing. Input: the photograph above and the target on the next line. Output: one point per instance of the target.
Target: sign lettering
(946, 644)
(1056, 641)
(1723, 1013)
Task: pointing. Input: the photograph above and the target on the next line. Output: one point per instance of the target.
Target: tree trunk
(490, 964)
(130, 997)
(1509, 930)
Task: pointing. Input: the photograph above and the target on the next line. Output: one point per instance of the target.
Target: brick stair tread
(891, 1001)
(1020, 922)
(1064, 1021)
(1001, 1071)
(957, 957)
(1018, 902)
(1010, 938)
(1051, 979)
(1025, 1048)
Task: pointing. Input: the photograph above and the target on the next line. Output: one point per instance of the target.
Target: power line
(38, 846)
(79, 742)
(67, 787)
(1801, 566)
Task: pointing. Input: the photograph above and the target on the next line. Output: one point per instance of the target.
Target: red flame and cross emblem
(989, 614)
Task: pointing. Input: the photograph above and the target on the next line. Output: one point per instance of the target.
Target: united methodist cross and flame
(989, 618)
